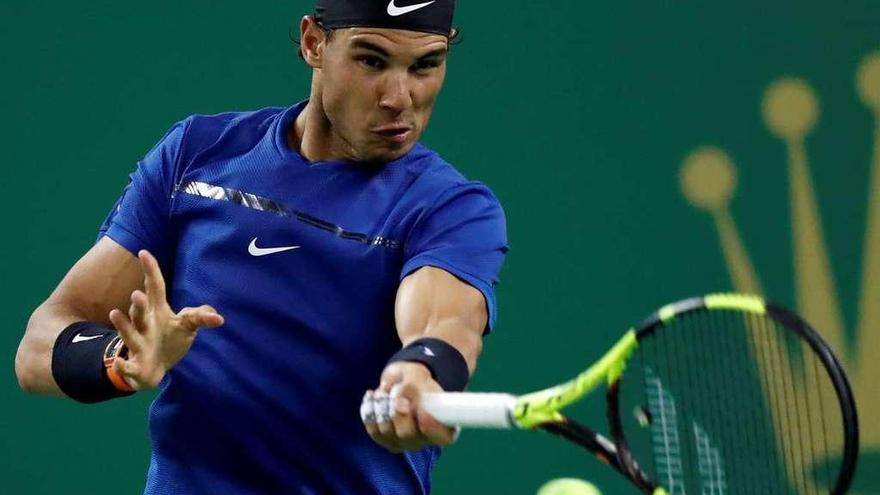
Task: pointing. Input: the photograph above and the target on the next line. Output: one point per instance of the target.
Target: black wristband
(78, 363)
(447, 365)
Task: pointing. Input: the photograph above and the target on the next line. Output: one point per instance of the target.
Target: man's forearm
(33, 360)
(451, 331)
(434, 303)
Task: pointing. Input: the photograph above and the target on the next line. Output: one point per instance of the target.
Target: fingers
(391, 376)
(435, 432)
(130, 335)
(410, 422)
(126, 368)
(202, 317)
(154, 282)
(136, 375)
(391, 414)
(391, 418)
(383, 411)
(138, 310)
(376, 415)
(400, 405)
(368, 415)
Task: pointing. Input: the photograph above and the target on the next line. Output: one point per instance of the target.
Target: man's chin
(390, 153)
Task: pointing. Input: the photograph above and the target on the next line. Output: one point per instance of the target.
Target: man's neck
(311, 135)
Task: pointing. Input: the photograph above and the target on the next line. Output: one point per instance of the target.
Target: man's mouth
(394, 134)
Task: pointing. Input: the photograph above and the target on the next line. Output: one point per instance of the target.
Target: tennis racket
(722, 394)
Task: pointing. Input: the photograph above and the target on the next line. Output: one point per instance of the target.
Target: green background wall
(578, 115)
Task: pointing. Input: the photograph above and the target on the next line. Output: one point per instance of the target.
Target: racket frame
(541, 409)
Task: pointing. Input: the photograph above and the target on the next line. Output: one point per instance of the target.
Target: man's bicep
(103, 279)
(432, 302)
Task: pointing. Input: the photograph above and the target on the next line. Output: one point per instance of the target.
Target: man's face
(378, 88)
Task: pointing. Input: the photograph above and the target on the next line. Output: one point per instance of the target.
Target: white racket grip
(470, 409)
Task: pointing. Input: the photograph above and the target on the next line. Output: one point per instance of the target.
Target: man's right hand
(156, 337)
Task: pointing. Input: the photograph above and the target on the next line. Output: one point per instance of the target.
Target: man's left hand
(394, 420)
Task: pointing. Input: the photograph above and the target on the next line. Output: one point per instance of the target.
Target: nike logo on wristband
(84, 338)
(428, 352)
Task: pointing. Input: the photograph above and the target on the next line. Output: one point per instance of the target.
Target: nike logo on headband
(395, 11)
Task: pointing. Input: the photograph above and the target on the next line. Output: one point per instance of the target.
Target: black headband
(413, 15)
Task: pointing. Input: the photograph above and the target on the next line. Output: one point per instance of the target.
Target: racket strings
(802, 426)
(670, 450)
(804, 457)
(738, 404)
(758, 343)
(763, 479)
(711, 430)
(821, 391)
(782, 408)
(815, 440)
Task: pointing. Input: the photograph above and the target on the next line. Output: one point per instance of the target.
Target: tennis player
(264, 269)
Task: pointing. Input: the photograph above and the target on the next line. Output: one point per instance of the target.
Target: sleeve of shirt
(140, 217)
(464, 233)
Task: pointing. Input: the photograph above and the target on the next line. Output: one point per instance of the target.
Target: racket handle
(470, 409)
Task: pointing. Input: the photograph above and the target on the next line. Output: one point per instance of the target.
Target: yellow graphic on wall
(708, 178)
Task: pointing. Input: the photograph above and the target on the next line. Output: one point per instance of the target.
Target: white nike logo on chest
(258, 251)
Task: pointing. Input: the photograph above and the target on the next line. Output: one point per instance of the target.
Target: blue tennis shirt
(304, 261)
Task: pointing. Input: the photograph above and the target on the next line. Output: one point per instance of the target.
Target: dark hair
(454, 38)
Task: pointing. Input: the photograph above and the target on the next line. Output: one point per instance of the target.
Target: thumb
(129, 372)
(202, 317)
(391, 376)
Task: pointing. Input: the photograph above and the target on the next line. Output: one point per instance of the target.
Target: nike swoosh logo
(81, 338)
(427, 351)
(395, 11)
(258, 251)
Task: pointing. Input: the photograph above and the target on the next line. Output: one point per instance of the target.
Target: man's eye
(424, 65)
(372, 62)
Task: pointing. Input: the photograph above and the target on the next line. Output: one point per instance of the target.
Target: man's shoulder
(201, 138)
(436, 175)
(438, 184)
(432, 169)
(208, 128)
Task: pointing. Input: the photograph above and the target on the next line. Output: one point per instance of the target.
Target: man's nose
(396, 95)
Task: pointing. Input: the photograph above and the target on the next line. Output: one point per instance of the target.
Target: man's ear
(312, 41)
